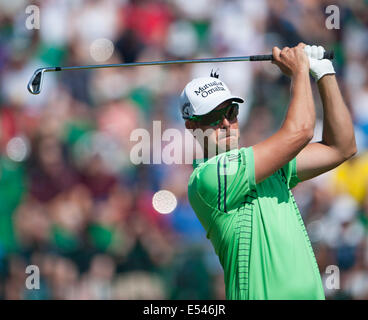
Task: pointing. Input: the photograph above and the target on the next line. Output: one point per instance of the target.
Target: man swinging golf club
(242, 196)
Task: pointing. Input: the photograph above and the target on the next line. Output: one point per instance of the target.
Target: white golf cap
(202, 95)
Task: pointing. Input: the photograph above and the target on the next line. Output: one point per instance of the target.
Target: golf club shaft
(267, 57)
(35, 84)
(151, 63)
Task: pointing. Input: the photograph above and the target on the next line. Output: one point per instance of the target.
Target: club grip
(329, 55)
(266, 57)
(261, 57)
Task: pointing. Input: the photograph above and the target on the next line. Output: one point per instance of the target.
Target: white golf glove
(318, 67)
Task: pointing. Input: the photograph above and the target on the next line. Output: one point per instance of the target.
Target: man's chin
(228, 143)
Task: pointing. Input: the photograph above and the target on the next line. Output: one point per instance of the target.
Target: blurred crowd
(71, 201)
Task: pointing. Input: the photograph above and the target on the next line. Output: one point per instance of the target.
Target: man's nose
(225, 123)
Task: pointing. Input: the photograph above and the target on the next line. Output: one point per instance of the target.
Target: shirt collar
(197, 162)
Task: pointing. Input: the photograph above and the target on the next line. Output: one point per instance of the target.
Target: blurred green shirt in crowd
(13, 186)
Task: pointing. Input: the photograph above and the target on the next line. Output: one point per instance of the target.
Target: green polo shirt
(256, 229)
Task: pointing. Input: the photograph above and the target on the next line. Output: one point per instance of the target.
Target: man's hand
(318, 67)
(291, 61)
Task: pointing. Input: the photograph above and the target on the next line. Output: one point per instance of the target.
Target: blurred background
(72, 202)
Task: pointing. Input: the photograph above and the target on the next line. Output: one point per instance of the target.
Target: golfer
(242, 196)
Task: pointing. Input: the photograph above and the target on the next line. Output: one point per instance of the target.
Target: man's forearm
(338, 129)
(301, 112)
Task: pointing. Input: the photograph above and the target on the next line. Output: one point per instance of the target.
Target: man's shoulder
(208, 165)
(206, 173)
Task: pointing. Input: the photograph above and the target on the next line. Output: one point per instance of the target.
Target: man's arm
(297, 129)
(338, 139)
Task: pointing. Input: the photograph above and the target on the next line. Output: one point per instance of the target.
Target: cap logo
(210, 88)
(214, 74)
(186, 111)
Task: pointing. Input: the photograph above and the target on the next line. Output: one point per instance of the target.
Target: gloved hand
(318, 67)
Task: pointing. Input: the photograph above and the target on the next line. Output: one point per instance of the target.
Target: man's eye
(230, 113)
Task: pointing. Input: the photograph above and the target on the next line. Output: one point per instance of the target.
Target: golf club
(35, 83)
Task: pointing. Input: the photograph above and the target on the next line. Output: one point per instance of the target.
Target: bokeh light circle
(101, 49)
(164, 201)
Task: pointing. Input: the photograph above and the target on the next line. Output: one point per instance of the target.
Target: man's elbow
(350, 152)
(302, 134)
(309, 134)
(306, 134)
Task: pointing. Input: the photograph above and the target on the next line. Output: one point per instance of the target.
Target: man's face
(224, 135)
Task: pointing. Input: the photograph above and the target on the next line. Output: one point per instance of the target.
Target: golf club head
(35, 84)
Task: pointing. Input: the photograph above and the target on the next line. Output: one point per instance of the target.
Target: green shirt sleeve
(290, 172)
